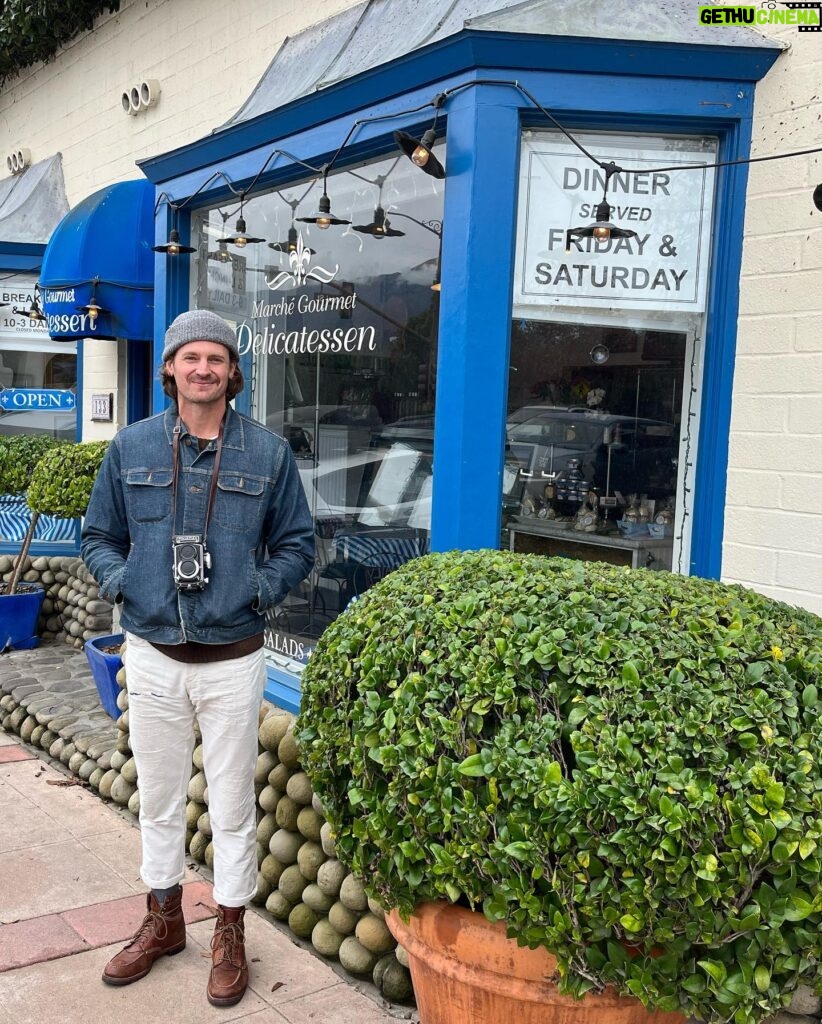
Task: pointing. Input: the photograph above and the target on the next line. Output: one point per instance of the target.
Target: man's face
(201, 370)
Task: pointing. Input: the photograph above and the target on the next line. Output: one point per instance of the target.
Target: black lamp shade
(173, 247)
(323, 218)
(379, 227)
(420, 151)
(240, 237)
(289, 244)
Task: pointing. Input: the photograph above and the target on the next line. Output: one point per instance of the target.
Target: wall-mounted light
(421, 151)
(817, 197)
(92, 308)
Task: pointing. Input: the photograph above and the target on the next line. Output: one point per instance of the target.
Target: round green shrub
(19, 454)
(626, 766)
(63, 478)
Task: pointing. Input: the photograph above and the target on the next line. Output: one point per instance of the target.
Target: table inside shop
(541, 537)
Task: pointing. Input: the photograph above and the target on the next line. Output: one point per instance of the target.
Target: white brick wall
(773, 518)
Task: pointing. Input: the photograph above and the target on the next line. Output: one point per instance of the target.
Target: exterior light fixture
(379, 227)
(323, 218)
(436, 285)
(34, 312)
(817, 197)
(92, 308)
(173, 247)
(602, 229)
(289, 244)
(421, 151)
(240, 238)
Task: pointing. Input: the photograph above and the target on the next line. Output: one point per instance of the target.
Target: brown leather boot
(229, 971)
(162, 933)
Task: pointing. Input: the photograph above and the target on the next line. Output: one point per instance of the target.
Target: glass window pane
(338, 335)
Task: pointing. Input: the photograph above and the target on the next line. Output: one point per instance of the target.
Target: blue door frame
(698, 90)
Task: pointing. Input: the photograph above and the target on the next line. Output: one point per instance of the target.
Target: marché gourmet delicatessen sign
(663, 268)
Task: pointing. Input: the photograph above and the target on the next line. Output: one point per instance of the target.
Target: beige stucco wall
(773, 518)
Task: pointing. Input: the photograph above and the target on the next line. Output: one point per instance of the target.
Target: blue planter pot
(104, 669)
(18, 618)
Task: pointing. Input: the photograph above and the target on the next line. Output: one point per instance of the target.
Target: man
(198, 523)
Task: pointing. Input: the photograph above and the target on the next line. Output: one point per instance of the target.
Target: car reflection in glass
(628, 454)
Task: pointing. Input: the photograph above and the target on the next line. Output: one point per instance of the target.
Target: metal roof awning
(101, 251)
(33, 202)
(375, 32)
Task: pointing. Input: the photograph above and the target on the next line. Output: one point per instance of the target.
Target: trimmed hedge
(626, 766)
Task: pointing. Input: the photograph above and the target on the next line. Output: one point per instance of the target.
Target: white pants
(164, 696)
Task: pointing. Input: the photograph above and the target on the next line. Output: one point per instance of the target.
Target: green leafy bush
(625, 766)
(32, 32)
(63, 478)
(19, 454)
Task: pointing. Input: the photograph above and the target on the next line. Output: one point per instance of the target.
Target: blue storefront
(463, 349)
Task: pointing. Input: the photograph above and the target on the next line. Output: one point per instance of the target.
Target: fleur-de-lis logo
(301, 269)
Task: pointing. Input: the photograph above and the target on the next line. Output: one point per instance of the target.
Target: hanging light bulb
(421, 151)
(380, 226)
(241, 237)
(289, 244)
(323, 218)
(173, 247)
(92, 308)
(602, 229)
(34, 312)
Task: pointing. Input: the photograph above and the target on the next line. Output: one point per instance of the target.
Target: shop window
(606, 355)
(26, 365)
(338, 336)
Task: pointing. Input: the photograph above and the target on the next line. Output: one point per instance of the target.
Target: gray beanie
(199, 325)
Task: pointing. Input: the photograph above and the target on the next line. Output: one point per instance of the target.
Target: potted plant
(19, 604)
(58, 480)
(618, 766)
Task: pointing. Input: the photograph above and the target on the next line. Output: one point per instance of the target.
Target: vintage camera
(190, 562)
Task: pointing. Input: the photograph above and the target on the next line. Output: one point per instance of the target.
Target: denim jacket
(260, 534)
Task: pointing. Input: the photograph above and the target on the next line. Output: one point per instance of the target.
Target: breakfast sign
(664, 267)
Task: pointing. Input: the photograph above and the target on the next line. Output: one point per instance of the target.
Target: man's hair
(236, 383)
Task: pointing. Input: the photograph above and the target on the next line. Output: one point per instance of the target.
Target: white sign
(18, 292)
(665, 267)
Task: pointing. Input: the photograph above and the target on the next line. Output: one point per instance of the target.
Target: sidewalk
(71, 895)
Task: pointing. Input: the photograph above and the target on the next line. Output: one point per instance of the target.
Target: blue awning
(101, 250)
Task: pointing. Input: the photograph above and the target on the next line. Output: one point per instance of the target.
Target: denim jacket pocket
(239, 504)
(148, 494)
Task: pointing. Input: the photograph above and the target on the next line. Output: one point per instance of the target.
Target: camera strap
(175, 472)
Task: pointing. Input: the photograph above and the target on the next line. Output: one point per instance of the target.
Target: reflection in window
(338, 334)
(593, 426)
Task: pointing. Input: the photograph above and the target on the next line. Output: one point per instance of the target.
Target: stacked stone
(72, 609)
(301, 882)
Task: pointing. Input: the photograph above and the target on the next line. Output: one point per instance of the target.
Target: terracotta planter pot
(467, 971)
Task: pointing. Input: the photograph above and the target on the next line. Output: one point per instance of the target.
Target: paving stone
(84, 743)
(51, 712)
(62, 722)
(23, 690)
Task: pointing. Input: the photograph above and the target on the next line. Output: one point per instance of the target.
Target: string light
(422, 156)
